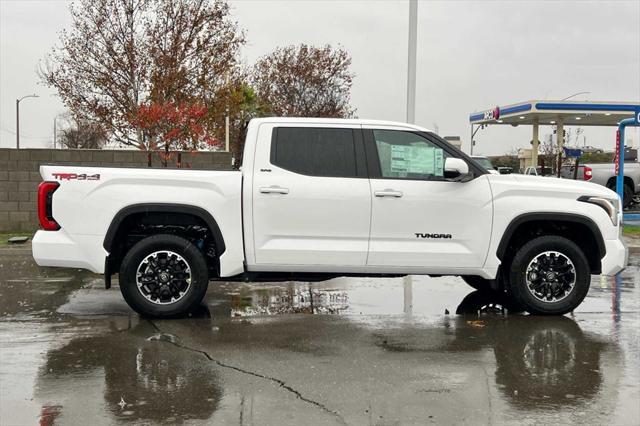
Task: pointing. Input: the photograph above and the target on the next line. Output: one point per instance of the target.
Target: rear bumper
(616, 258)
(58, 248)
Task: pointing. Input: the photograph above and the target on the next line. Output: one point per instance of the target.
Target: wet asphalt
(412, 350)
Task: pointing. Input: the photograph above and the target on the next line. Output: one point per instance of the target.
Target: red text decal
(75, 176)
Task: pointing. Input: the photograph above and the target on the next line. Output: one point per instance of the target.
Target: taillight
(45, 202)
(586, 173)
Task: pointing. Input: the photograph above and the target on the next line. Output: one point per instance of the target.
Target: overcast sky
(472, 55)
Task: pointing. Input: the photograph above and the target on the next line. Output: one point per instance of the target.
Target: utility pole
(18, 117)
(226, 131)
(55, 131)
(17, 123)
(411, 63)
(226, 118)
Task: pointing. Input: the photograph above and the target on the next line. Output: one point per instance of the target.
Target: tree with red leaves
(168, 127)
(121, 54)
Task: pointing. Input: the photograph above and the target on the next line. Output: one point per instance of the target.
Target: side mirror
(457, 170)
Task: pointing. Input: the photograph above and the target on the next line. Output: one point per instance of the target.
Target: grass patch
(631, 230)
(4, 236)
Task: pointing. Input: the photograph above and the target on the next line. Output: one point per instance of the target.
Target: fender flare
(164, 208)
(551, 217)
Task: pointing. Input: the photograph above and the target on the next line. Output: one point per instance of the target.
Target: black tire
(627, 199)
(577, 270)
(484, 285)
(188, 300)
(477, 282)
(487, 302)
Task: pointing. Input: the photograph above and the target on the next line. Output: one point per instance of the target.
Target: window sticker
(421, 160)
(399, 163)
(439, 163)
(410, 160)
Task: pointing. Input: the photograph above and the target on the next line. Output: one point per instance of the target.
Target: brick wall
(19, 175)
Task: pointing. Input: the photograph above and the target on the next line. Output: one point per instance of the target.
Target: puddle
(292, 299)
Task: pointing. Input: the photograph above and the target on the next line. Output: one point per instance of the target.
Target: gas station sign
(492, 114)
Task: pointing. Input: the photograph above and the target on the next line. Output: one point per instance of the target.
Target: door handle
(388, 193)
(274, 189)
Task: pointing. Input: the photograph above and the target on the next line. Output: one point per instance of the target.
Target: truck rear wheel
(627, 199)
(163, 276)
(549, 275)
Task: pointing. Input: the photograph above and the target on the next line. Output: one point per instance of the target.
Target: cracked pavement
(346, 351)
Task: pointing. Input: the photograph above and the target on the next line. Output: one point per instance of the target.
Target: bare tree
(81, 134)
(121, 54)
(305, 81)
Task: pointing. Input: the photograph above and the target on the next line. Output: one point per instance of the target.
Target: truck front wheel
(163, 276)
(549, 275)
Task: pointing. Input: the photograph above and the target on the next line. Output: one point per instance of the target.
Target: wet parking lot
(412, 350)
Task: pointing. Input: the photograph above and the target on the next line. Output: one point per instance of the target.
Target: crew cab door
(311, 197)
(420, 219)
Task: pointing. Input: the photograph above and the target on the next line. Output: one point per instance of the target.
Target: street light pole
(18, 117)
(411, 63)
(17, 123)
(575, 94)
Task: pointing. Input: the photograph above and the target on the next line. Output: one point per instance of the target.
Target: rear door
(419, 218)
(311, 197)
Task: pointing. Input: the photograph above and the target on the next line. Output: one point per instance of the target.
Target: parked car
(321, 198)
(538, 171)
(604, 174)
(591, 150)
(485, 163)
(504, 170)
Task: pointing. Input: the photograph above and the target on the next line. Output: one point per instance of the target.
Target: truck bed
(88, 199)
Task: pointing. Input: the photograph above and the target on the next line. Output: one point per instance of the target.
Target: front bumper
(616, 258)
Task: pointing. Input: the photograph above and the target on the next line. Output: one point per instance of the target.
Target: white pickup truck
(320, 198)
(605, 174)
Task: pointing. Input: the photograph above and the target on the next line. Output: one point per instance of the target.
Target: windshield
(484, 162)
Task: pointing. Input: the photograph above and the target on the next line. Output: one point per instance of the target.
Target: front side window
(328, 152)
(406, 155)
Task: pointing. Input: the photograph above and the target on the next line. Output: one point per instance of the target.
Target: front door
(311, 197)
(419, 219)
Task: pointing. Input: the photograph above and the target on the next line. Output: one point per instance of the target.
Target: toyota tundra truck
(321, 198)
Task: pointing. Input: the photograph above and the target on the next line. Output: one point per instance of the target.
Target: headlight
(610, 205)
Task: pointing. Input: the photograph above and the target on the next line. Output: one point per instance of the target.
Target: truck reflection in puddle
(294, 300)
(543, 365)
(541, 362)
(139, 379)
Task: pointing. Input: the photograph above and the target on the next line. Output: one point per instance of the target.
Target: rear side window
(314, 151)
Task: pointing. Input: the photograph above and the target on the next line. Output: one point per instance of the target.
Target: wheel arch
(567, 222)
(120, 223)
(148, 208)
(627, 180)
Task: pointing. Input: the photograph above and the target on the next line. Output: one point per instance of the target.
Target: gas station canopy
(555, 112)
(560, 114)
